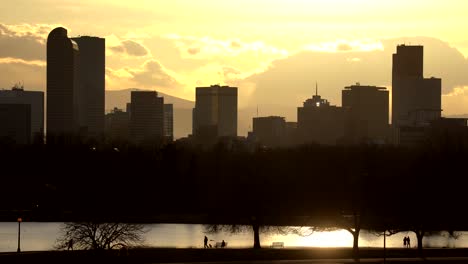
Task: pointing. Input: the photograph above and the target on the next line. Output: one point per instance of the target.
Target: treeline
(369, 187)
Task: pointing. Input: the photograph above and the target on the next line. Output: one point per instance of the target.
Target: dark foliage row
(387, 187)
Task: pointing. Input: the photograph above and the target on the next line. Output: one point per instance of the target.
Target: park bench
(277, 245)
(218, 244)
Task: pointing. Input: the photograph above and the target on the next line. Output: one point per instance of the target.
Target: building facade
(92, 66)
(368, 118)
(215, 112)
(35, 99)
(169, 121)
(62, 84)
(15, 120)
(117, 124)
(415, 100)
(270, 131)
(319, 122)
(146, 116)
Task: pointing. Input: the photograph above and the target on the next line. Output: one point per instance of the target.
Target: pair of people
(406, 242)
(205, 243)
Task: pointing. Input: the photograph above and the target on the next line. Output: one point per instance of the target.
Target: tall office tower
(320, 122)
(270, 131)
(215, 112)
(92, 67)
(169, 121)
(146, 116)
(368, 113)
(15, 123)
(62, 84)
(416, 101)
(35, 99)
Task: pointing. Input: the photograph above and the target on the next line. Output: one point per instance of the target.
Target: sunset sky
(273, 50)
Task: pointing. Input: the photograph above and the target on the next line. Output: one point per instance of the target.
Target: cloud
(131, 48)
(209, 47)
(346, 46)
(151, 74)
(31, 73)
(24, 41)
(193, 50)
(455, 102)
(21, 61)
(154, 73)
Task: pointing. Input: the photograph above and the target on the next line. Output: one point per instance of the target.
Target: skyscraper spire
(316, 88)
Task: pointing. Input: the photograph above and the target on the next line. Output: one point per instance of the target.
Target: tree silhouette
(100, 236)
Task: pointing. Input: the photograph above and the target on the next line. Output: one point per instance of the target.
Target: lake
(42, 236)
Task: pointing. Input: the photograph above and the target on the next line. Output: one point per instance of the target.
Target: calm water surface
(42, 236)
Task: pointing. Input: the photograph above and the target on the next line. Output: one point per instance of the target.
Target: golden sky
(274, 50)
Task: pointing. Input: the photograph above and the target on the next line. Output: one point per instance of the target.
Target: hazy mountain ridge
(120, 98)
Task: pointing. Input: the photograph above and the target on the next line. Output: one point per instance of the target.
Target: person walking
(408, 243)
(205, 242)
(404, 242)
(70, 244)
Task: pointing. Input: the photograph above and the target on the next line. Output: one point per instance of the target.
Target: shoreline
(172, 255)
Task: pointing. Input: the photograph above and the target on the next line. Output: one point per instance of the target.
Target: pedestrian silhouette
(205, 242)
(408, 244)
(404, 241)
(70, 244)
(223, 244)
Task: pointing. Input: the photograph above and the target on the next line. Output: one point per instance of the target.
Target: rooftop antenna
(257, 110)
(316, 88)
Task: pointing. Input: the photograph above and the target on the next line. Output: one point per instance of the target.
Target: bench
(277, 245)
(218, 244)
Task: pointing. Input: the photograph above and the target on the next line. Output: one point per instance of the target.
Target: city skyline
(154, 47)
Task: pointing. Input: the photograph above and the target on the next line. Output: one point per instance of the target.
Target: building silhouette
(215, 113)
(17, 95)
(146, 116)
(368, 108)
(92, 66)
(15, 120)
(169, 121)
(416, 100)
(117, 124)
(62, 84)
(439, 132)
(320, 122)
(269, 131)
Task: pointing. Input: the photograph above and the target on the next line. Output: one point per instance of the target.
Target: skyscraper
(215, 112)
(146, 116)
(320, 122)
(62, 83)
(169, 121)
(416, 100)
(35, 99)
(92, 66)
(368, 113)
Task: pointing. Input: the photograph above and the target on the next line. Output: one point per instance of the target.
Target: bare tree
(100, 236)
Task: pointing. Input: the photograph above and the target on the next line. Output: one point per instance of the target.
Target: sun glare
(338, 238)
